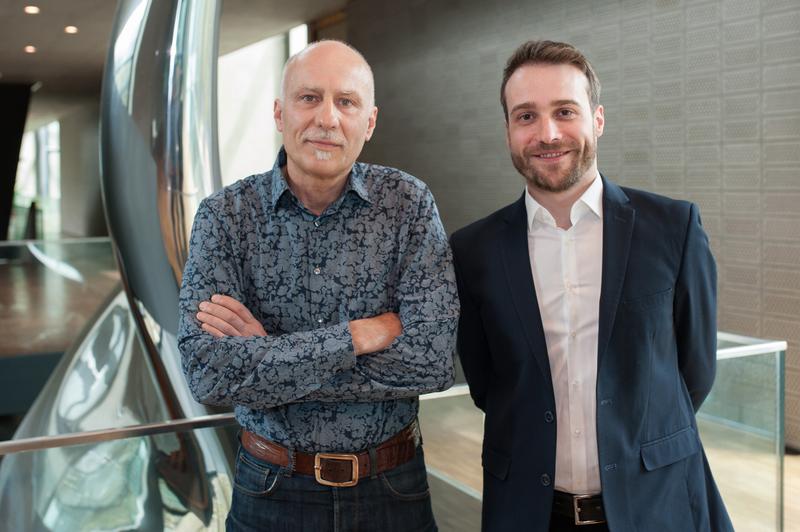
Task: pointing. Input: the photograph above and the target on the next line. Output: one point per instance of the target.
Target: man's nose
(549, 131)
(327, 115)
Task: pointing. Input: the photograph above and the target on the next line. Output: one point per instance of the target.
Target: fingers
(218, 323)
(234, 306)
(213, 331)
(229, 317)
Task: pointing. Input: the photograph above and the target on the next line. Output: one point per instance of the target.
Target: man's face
(552, 131)
(326, 112)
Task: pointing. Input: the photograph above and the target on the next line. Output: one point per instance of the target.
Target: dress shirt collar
(590, 201)
(356, 182)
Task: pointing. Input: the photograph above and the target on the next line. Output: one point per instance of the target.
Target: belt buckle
(353, 459)
(577, 511)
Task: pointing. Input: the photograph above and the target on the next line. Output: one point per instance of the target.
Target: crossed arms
(229, 358)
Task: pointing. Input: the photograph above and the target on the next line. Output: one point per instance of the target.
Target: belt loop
(373, 463)
(292, 461)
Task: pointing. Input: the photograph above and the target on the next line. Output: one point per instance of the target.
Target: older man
(319, 300)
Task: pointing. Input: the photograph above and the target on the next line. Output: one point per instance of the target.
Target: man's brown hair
(550, 53)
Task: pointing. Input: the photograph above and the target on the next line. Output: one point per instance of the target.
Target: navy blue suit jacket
(656, 364)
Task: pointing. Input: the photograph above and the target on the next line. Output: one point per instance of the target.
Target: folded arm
(378, 358)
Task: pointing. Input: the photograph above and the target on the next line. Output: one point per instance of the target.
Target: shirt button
(545, 479)
(548, 416)
(316, 223)
(320, 320)
(573, 335)
(317, 271)
(577, 432)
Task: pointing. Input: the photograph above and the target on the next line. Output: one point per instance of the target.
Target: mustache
(322, 135)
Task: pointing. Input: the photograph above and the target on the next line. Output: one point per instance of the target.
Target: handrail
(94, 436)
(148, 429)
(49, 241)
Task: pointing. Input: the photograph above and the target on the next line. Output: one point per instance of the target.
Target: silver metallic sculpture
(159, 159)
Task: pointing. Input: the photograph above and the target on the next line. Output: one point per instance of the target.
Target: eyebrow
(531, 105)
(350, 93)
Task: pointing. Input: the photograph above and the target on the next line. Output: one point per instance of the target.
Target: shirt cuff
(336, 352)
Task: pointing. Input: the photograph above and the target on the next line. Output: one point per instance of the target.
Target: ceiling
(67, 69)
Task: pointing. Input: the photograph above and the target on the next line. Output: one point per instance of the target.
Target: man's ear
(599, 120)
(373, 121)
(277, 114)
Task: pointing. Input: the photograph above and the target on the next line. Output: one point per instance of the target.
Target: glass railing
(741, 426)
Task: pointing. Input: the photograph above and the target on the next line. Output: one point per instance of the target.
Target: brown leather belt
(584, 509)
(338, 469)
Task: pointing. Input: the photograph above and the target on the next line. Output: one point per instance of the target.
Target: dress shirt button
(548, 416)
(316, 223)
(320, 320)
(317, 270)
(572, 335)
(577, 432)
(545, 479)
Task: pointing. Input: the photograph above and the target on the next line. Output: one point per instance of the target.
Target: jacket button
(548, 416)
(545, 480)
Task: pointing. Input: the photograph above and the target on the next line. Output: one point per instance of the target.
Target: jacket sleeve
(695, 312)
(472, 347)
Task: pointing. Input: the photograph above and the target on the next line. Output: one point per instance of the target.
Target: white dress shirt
(567, 272)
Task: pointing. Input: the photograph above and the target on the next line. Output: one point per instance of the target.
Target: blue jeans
(267, 497)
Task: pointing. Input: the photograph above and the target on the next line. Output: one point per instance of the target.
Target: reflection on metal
(190, 169)
(158, 142)
(159, 159)
(132, 482)
(58, 266)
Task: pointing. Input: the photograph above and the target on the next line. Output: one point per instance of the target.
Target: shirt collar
(356, 182)
(590, 201)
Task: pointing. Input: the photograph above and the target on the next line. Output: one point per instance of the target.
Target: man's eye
(525, 117)
(346, 102)
(566, 113)
(308, 98)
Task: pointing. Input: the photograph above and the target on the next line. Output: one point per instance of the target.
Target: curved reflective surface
(158, 141)
(159, 159)
(106, 380)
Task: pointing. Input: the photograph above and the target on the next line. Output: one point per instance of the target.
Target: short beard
(573, 176)
(322, 155)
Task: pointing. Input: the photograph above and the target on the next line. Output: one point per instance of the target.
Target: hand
(224, 316)
(371, 335)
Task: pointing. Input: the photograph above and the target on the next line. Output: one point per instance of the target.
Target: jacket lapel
(618, 220)
(517, 264)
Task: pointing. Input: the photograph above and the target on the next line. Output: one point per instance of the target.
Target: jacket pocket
(495, 463)
(645, 302)
(669, 449)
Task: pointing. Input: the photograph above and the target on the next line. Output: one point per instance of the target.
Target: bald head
(331, 52)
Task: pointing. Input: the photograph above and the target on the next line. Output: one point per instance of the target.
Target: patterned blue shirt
(379, 247)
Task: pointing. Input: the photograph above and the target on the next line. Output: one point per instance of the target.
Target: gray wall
(702, 102)
(81, 206)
